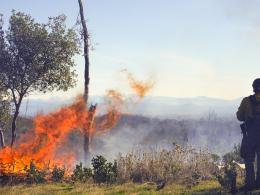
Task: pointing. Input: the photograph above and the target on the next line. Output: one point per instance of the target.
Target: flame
(115, 101)
(141, 88)
(44, 144)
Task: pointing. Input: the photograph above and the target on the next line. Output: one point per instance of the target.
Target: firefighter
(249, 113)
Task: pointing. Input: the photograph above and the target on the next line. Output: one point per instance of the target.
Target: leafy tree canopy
(37, 57)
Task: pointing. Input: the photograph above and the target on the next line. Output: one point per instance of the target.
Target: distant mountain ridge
(154, 106)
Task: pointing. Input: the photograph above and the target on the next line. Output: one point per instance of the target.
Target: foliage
(58, 174)
(104, 172)
(81, 173)
(34, 175)
(228, 179)
(5, 109)
(233, 155)
(178, 164)
(36, 57)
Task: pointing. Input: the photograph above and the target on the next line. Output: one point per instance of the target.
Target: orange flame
(139, 87)
(44, 144)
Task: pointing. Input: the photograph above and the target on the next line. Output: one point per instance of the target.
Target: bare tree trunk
(16, 113)
(87, 140)
(2, 138)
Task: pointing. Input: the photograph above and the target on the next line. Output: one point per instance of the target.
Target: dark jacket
(245, 109)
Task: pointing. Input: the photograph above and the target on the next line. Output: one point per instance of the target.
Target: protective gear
(249, 111)
(245, 110)
(244, 147)
(256, 85)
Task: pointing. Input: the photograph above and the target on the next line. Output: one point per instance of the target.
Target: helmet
(256, 85)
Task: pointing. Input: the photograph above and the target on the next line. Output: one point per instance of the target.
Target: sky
(187, 47)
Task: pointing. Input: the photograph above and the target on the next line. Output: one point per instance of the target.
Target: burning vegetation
(44, 144)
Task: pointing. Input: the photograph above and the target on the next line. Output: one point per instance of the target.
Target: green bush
(34, 175)
(104, 172)
(81, 173)
(58, 174)
(228, 179)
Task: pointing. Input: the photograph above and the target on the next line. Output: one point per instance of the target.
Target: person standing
(249, 113)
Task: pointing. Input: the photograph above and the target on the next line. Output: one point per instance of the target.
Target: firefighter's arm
(242, 110)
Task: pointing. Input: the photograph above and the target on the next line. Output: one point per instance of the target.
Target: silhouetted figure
(249, 113)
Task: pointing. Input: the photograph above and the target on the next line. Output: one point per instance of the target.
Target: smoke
(217, 135)
(47, 143)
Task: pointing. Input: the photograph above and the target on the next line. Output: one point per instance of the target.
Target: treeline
(218, 135)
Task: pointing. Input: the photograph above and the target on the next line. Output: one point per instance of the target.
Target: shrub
(228, 179)
(34, 175)
(11, 179)
(81, 173)
(104, 172)
(58, 174)
(193, 179)
(178, 164)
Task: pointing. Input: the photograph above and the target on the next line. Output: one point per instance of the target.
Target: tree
(92, 109)
(36, 57)
(5, 114)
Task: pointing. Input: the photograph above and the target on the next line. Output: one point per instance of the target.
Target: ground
(208, 187)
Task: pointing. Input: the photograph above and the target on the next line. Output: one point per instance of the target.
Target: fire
(139, 87)
(115, 101)
(44, 144)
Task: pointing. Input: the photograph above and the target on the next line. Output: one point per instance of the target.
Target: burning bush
(35, 175)
(58, 174)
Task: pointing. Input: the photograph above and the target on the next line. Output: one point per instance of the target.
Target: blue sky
(188, 47)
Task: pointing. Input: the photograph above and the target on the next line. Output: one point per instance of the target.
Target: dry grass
(128, 188)
(178, 164)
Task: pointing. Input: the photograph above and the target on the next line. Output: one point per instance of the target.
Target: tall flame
(45, 142)
(42, 143)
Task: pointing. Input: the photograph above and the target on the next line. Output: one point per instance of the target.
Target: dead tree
(91, 111)
(2, 139)
(88, 132)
